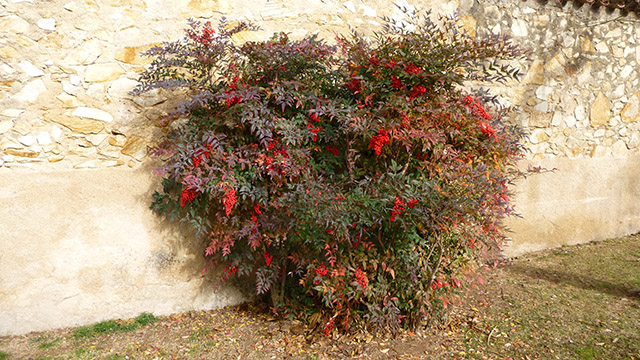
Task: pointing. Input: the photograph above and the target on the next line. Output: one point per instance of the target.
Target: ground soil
(570, 303)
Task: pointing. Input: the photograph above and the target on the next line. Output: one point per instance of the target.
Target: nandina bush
(358, 181)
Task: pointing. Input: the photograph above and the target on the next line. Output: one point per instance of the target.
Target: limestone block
(31, 91)
(22, 153)
(27, 140)
(599, 151)
(44, 138)
(56, 133)
(14, 24)
(535, 75)
(468, 24)
(117, 140)
(540, 119)
(96, 139)
(12, 113)
(8, 52)
(519, 28)
(5, 126)
(85, 54)
(8, 142)
(132, 54)
(79, 125)
(619, 149)
(47, 24)
(600, 110)
(135, 147)
(30, 69)
(90, 164)
(538, 136)
(102, 72)
(244, 36)
(121, 87)
(92, 113)
(631, 111)
(602, 47)
(556, 64)
(111, 163)
(68, 101)
(202, 8)
(55, 158)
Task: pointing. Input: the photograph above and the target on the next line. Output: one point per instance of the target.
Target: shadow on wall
(179, 255)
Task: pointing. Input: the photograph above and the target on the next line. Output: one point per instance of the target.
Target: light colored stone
(110, 152)
(12, 113)
(30, 69)
(14, 24)
(68, 101)
(600, 112)
(70, 89)
(149, 98)
(31, 91)
(90, 164)
(8, 52)
(245, 36)
(556, 64)
(519, 28)
(55, 158)
(599, 151)
(22, 153)
(85, 54)
(121, 88)
(570, 120)
(631, 111)
(538, 136)
(468, 24)
(202, 8)
(132, 54)
(56, 133)
(111, 163)
(584, 77)
(602, 47)
(92, 113)
(557, 119)
(44, 138)
(626, 71)
(27, 140)
(80, 125)
(619, 149)
(539, 119)
(102, 72)
(543, 92)
(135, 147)
(95, 140)
(75, 80)
(542, 107)
(47, 24)
(368, 11)
(5, 126)
(117, 140)
(7, 142)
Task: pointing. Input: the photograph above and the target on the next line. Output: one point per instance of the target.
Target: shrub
(357, 180)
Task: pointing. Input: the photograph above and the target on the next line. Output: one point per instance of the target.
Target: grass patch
(3, 355)
(112, 326)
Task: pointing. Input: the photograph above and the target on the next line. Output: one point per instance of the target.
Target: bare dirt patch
(569, 303)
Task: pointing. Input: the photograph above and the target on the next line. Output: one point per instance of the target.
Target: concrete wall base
(78, 247)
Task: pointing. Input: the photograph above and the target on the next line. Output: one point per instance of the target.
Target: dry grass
(568, 303)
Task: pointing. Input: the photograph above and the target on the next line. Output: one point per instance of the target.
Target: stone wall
(77, 241)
